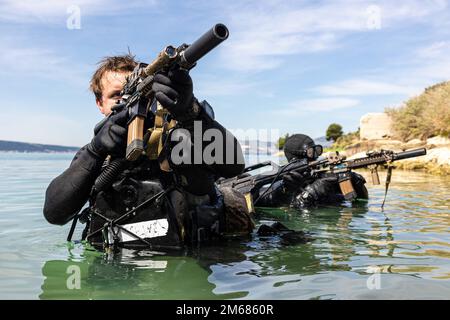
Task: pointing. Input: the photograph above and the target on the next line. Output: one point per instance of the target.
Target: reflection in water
(129, 275)
(408, 244)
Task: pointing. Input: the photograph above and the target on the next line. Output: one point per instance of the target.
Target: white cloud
(305, 106)
(422, 68)
(435, 50)
(264, 33)
(19, 58)
(26, 11)
(209, 85)
(432, 63)
(213, 87)
(363, 87)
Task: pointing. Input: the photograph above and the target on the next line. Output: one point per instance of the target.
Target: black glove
(175, 92)
(357, 179)
(110, 137)
(359, 182)
(293, 180)
(319, 189)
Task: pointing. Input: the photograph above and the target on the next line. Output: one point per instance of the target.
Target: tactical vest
(143, 209)
(140, 204)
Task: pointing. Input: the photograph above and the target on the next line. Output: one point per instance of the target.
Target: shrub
(424, 116)
(282, 141)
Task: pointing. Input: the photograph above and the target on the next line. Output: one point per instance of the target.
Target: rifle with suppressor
(139, 98)
(249, 185)
(339, 166)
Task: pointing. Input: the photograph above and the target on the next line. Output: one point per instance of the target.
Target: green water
(357, 252)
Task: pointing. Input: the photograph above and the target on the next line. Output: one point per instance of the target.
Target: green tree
(282, 141)
(334, 132)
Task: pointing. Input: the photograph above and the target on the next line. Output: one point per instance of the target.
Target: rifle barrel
(411, 154)
(208, 41)
(380, 159)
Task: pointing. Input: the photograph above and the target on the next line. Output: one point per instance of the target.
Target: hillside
(421, 122)
(323, 142)
(13, 146)
(424, 116)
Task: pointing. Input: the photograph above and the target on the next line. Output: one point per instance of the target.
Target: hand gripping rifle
(139, 98)
(249, 185)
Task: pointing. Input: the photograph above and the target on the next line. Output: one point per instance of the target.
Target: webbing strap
(72, 228)
(388, 182)
(125, 216)
(155, 142)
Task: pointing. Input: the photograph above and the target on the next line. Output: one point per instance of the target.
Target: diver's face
(112, 84)
(310, 152)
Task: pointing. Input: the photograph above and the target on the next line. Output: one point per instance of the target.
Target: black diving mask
(310, 152)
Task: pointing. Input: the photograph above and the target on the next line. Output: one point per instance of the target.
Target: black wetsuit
(68, 192)
(280, 196)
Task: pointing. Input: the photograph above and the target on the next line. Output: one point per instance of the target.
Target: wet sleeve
(232, 162)
(277, 196)
(68, 192)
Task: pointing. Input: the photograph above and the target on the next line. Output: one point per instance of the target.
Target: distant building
(376, 126)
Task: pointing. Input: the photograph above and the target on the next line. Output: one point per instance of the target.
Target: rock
(438, 141)
(437, 161)
(388, 145)
(364, 146)
(414, 143)
(358, 155)
(440, 156)
(375, 126)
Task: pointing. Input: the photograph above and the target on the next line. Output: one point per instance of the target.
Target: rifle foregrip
(135, 141)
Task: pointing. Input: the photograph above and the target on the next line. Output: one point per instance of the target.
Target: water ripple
(405, 248)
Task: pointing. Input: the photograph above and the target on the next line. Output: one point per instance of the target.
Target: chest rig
(141, 205)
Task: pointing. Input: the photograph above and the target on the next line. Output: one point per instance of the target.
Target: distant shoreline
(26, 147)
(36, 152)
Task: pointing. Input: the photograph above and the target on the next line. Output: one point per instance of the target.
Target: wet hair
(123, 63)
(295, 143)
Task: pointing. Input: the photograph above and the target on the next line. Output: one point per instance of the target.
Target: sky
(289, 66)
